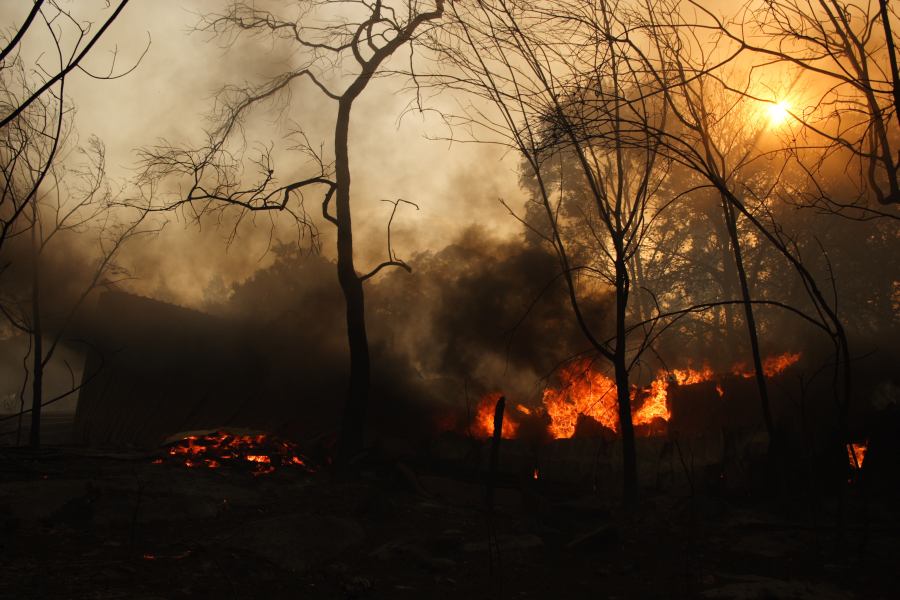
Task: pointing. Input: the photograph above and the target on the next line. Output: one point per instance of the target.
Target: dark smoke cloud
(482, 314)
(489, 310)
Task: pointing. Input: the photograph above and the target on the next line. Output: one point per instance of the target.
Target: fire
(582, 391)
(772, 365)
(484, 418)
(856, 453)
(212, 450)
(586, 392)
(690, 376)
(655, 404)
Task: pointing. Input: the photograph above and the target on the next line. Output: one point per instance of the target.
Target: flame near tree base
(584, 392)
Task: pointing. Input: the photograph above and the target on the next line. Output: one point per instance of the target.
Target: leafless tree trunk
(79, 204)
(564, 88)
(32, 99)
(690, 87)
(759, 375)
(37, 336)
(214, 176)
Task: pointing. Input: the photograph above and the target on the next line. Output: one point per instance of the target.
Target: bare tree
(342, 46)
(73, 205)
(844, 55)
(32, 97)
(692, 79)
(563, 86)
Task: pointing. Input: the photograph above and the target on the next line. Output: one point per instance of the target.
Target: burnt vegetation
(666, 366)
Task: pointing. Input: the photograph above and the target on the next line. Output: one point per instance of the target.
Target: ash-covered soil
(82, 524)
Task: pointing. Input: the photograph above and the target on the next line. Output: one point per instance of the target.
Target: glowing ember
(523, 409)
(536, 473)
(212, 450)
(856, 453)
(484, 418)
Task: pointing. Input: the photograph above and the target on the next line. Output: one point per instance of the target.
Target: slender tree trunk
(354, 419)
(629, 452)
(726, 279)
(37, 384)
(731, 223)
(637, 276)
(892, 55)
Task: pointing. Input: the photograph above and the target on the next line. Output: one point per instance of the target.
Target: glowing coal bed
(262, 453)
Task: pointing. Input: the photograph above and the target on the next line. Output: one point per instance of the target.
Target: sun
(779, 113)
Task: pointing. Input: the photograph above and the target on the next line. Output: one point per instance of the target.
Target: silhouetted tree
(32, 97)
(562, 86)
(706, 144)
(359, 36)
(78, 205)
(843, 55)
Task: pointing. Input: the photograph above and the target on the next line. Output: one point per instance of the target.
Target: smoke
(487, 310)
(484, 313)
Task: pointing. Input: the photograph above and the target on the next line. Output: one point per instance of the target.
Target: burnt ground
(82, 524)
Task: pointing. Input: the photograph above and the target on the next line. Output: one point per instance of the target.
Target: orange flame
(584, 391)
(772, 365)
(484, 418)
(690, 376)
(856, 453)
(655, 404)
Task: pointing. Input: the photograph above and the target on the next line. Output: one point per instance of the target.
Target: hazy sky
(170, 92)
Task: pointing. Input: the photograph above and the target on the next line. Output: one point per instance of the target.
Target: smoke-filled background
(169, 96)
(485, 307)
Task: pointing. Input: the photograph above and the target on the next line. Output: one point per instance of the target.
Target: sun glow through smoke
(779, 113)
